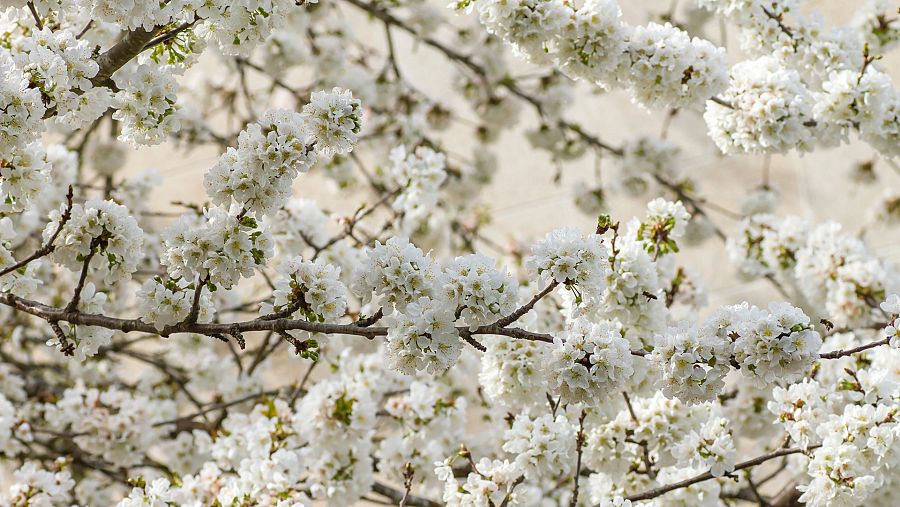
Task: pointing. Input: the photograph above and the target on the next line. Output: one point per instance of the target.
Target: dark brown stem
(36, 16)
(579, 447)
(195, 304)
(848, 352)
(76, 298)
(407, 483)
(370, 321)
(397, 495)
(516, 315)
(171, 34)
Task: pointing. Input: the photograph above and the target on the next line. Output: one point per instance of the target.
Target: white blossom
(102, 232)
(484, 294)
(768, 110)
(589, 362)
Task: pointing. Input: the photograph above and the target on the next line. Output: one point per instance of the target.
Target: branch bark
(131, 45)
(653, 493)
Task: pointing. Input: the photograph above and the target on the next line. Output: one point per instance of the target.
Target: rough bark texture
(121, 53)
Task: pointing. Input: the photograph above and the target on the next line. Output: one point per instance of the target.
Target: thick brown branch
(121, 53)
(53, 314)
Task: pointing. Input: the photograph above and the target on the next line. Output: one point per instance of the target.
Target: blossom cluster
(567, 257)
(589, 362)
(662, 65)
(767, 345)
(833, 270)
(100, 236)
(261, 344)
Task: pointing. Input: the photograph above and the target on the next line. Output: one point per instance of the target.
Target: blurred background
(529, 196)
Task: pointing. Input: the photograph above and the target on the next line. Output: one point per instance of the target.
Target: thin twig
(36, 16)
(579, 447)
(653, 493)
(48, 247)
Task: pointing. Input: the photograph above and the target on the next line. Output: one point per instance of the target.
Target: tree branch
(653, 493)
(396, 495)
(848, 352)
(121, 53)
(48, 247)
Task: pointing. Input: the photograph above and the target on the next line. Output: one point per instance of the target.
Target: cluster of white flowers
(510, 372)
(858, 448)
(337, 426)
(111, 423)
(132, 14)
(218, 247)
(879, 31)
(312, 289)
(422, 336)
(836, 271)
(670, 69)
(483, 293)
(102, 232)
(60, 67)
(255, 456)
(257, 175)
(853, 100)
(146, 104)
(666, 222)
(167, 303)
(332, 119)
(21, 107)
(616, 446)
(765, 244)
(429, 422)
(398, 273)
(589, 362)
(567, 257)
(768, 110)
(661, 64)
(541, 446)
(709, 448)
(593, 47)
(419, 176)
(240, 26)
(775, 345)
(801, 408)
(833, 270)
(693, 363)
(23, 176)
(492, 482)
(809, 84)
(33, 485)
